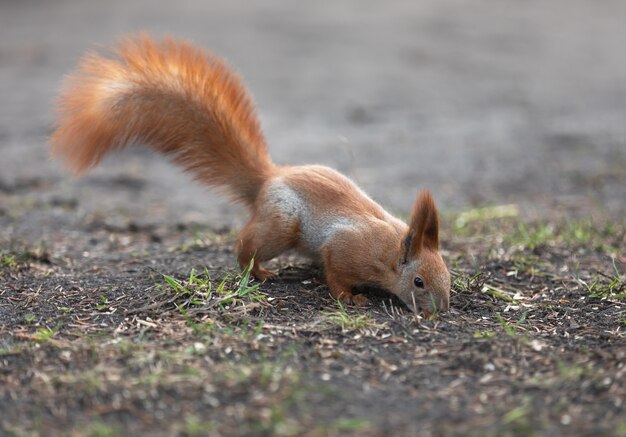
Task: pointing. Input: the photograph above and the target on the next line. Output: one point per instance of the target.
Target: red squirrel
(191, 106)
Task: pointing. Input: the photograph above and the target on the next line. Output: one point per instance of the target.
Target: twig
(151, 306)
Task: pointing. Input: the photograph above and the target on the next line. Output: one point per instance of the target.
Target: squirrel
(191, 106)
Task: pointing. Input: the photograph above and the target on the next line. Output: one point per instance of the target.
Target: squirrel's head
(423, 278)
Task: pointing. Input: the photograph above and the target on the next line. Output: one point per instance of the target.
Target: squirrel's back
(172, 96)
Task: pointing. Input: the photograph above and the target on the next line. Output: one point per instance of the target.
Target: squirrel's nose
(443, 303)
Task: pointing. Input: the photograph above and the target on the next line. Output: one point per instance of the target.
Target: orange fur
(425, 223)
(172, 96)
(189, 105)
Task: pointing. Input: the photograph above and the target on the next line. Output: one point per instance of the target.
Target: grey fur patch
(316, 230)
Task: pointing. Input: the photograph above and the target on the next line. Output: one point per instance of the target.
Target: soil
(122, 311)
(96, 341)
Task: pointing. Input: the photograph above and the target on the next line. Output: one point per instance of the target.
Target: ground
(122, 311)
(133, 329)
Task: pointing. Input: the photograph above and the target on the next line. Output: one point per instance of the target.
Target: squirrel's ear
(423, 227)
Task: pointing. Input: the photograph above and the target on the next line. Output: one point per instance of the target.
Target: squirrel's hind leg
(263, 240)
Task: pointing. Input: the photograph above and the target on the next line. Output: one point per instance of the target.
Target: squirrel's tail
(172, 96)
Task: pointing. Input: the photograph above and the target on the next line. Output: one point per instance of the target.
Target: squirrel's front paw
(353, 299)
(360, 300)
(263, 274)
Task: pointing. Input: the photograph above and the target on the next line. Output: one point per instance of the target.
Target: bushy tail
(172, 96)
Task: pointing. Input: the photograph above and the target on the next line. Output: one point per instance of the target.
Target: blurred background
(483, 102)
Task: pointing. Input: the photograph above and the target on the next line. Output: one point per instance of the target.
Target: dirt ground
(122, 312)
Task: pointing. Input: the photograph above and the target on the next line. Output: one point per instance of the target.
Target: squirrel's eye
(418, 282)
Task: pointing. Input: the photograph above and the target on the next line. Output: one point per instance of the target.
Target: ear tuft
(424, 225)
